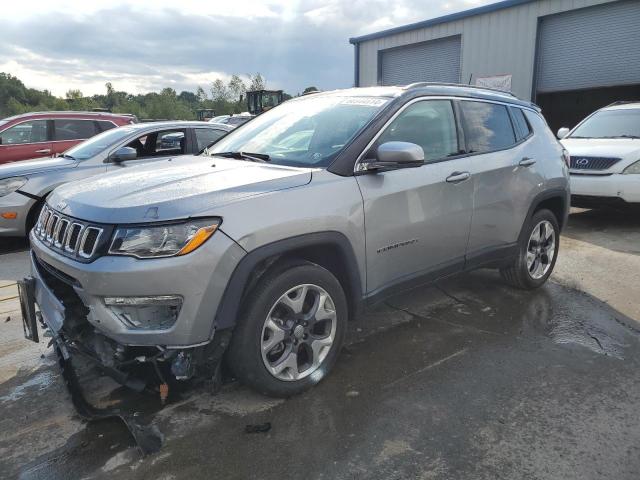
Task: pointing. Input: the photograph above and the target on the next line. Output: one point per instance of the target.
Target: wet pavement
(466, 379)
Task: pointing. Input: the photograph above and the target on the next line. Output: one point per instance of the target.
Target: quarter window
(26, 132)
(105, 125)
(206, 136)
(430, 124)
(520, 123)
(487, 126)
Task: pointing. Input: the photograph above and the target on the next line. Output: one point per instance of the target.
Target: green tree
(16, 98)
(309, 89)
(236, 87)
(220, 91)
(201, 94)
(256, 82)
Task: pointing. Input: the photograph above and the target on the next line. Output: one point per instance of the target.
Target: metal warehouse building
(568, 56)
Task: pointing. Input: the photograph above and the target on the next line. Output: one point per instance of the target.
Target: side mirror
(123, 154)
(395, 155)
(563, 132)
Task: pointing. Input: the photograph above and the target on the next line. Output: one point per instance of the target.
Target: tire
(524, 272)
(271, 347)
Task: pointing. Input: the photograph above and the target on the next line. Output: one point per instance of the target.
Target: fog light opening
(146, 313)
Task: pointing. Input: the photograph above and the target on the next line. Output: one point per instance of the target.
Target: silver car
(312, 210)
(25, 185)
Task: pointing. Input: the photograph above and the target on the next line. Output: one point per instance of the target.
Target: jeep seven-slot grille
(73, 238)
(592, 163)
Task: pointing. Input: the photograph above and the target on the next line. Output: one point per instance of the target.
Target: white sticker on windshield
(364, 101)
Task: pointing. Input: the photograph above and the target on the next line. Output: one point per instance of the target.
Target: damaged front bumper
(182, 293)
(90, 314)
(102, 310)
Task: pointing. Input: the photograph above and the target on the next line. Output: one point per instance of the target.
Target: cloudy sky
(150, 44)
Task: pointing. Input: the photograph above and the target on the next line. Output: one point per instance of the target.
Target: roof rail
(444, 84)
(82, 112)
(622, 102)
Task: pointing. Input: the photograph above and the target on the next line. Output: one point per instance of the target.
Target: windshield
(306, 132)
(99, 143)
(622, 123)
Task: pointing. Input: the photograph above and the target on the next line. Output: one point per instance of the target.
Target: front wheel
(537, 252)
(291, 330)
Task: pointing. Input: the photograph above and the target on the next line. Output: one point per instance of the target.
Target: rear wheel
(291, 331)
(537, 252)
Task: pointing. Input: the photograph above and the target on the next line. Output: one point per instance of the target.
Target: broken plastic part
(147, 437)
(182, 366)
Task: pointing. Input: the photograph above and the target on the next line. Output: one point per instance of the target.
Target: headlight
(10, 185)
(633, 168)
(168, 240)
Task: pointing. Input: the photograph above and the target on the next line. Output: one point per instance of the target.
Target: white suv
(605, 156)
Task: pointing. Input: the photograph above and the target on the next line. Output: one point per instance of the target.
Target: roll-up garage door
(588, 48)
(433, 61)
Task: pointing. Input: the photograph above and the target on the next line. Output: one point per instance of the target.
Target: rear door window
(160, 144)
(487, 126)
(520, 123)
(206, 136)
(26, 132)
(73, 129)
(430, 124)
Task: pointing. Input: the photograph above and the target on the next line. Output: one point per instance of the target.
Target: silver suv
(266, 245)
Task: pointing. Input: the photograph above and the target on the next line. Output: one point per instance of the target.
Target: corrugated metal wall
(500, 42)
(434, 61)
(592, 47)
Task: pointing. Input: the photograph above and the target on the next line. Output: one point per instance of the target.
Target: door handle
(526, 162)
(44, 150)
(457, 177)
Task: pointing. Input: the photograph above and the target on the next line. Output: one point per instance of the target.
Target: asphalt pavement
(464, 379)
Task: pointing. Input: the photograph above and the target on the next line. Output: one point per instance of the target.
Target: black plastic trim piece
(31, 195)
(547, 195)
(491, 257)
(414, 280)
(229, 307)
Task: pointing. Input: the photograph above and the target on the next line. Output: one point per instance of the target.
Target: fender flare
(546, 195)
(231, 302)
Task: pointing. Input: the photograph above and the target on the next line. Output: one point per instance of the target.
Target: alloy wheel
(541, 249)
(298, 332)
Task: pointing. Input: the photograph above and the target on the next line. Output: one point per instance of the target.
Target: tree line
(223, 97)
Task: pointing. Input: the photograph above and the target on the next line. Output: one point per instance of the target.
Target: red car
(45, 134)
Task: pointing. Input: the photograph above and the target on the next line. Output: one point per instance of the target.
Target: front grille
(593, 163)
(58, 274)
(73, 238)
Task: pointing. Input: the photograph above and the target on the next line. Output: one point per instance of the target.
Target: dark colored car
(45, 134)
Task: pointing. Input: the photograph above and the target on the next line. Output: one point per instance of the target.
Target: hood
(30, 167)
(628, 149)
(172, 189)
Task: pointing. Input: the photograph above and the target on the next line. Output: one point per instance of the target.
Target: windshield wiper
(66, 155)
(252, 157)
